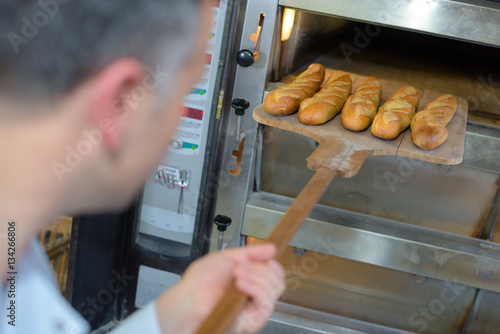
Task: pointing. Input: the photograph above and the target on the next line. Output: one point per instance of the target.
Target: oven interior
(407, 245)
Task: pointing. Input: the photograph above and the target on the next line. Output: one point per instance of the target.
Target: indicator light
(191, 113)
(197, 91)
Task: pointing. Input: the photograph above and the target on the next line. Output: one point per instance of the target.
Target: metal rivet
(445, 169)
(299, 252)
(419, 279)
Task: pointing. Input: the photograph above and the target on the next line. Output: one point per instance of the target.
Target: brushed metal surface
(484, 317)
(382, 242)
(414, 235)
(455, 199)
(482, 147)
(249, 85)
(292, 319)
(376, 295)
(473, 21)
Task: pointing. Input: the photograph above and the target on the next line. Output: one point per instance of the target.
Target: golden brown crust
(396, 114)
(408, 94)
(428, 127)
(361, 107)
(286, 99)
(328, 102)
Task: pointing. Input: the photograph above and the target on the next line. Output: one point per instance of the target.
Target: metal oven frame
(473, 262)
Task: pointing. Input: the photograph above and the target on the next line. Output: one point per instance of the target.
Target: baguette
(428, 127)
(286, 99)
(361, 107)
(396, 114)
(328, 102)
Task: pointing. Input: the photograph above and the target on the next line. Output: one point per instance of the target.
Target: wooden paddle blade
(233, 302)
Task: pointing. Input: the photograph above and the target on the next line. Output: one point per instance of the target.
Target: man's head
(48, 47)
(97, 84)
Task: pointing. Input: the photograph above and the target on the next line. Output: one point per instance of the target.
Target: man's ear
(112, 85)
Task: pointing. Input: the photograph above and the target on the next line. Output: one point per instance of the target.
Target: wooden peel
(340, 153)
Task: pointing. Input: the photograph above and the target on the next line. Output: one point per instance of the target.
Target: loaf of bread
(361, 107)
(428, 127)
(396, 114)
(286, 99)
(328, 102)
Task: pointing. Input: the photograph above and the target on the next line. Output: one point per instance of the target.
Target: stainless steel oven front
(405, 246)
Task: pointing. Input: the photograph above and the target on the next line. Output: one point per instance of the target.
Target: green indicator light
(193, 147)
(202, 92)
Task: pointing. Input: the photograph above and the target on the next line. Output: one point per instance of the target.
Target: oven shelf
(289, 318)
(382, 242)
(472, 20)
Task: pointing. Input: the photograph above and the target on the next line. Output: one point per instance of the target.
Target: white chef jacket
(40, 308)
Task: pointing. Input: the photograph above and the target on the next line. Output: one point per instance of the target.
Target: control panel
(187, 137)
(199, 91)
(171, 196)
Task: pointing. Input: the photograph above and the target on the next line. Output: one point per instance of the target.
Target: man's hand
(184, 307)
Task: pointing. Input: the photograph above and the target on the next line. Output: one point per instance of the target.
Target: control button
(222, 222)
(160, 177)
(176, 143)
(245, 58)
(170, 181)
(196, 136)
(190, 146)
(198, 91)
(240, 106)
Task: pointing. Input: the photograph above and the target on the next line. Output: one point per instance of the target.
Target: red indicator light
(208, 58)
(184, 111)
(191, 113)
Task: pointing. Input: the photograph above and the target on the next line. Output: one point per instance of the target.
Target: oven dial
(176, 143)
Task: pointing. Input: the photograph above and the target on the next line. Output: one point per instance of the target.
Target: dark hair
(48, 47)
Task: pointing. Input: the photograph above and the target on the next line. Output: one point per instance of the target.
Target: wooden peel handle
(233, 302)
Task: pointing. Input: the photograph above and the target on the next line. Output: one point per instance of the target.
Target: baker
(112, 74)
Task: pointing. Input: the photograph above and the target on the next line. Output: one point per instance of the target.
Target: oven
(405, 246)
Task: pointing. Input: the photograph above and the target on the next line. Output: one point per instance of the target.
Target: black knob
(245, 58)
(240, 106)
(222, 222)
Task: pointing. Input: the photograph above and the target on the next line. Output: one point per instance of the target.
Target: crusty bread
(408, 94)
(428, 127)
(286, 99)
(361, 107)
(328, 102)
(396, 114)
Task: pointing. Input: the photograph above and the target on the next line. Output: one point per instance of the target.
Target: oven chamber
(405, 246)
